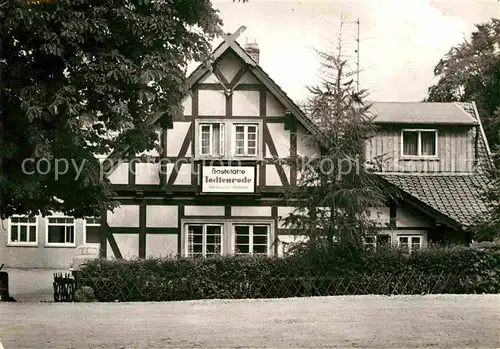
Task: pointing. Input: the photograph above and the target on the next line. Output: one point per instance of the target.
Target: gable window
(245, 139)
(204, 240)
(92, 228)
(211, 139)
(61, 231)
(410, 243)
(23, 230)
(251, 239)
(419, 143)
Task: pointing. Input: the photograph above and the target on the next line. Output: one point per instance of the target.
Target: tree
(85, 77)
(471, 72)
(335, 190)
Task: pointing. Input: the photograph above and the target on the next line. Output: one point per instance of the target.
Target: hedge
(311, 272)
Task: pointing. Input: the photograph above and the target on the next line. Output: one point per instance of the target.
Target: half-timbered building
(215, 187)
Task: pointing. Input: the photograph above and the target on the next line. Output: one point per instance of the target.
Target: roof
(456, 196)
(421, 113)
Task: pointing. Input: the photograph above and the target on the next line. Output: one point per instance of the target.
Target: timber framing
(177, 189)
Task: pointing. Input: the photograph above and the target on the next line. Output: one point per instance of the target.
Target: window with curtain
(419, 143)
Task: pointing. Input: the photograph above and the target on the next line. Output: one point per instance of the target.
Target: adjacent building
(216, 188)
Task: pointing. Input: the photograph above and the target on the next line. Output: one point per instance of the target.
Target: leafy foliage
(471, 72)
(86, 77)
(335, 189)
(314, 271)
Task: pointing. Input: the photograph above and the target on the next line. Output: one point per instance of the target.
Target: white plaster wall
(381, 215)
(120, 174)
(187, 104)
(272, 177)
(147, 173)
(305, 143)
(246, 103)
(161, 216)
(249, 78)
(209, 78)
(229, 66)
(408, 217)
(128, 244)
(281, 139)
(285, 242)
(273, 107)
(204, 210)
(246, 211)
(283, 212)
(184, 175)
(211, 102)
(175, 138)
(124, 216)
(161, 245)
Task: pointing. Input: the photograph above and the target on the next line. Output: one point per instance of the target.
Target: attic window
(419, 143)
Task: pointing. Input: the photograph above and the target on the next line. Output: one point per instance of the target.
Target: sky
(400, 40)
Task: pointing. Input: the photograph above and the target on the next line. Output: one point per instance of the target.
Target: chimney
(252, 48)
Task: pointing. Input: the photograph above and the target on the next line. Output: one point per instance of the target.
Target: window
(204, 240)
(61, 231)
(92, 228)
(23, 230)
(251, 239)
(226, 237)
(372, 242)
(211, 139)
(245, 140)
(410, 243)
(419, 143)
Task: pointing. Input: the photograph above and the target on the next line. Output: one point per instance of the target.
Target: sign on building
(228, 179)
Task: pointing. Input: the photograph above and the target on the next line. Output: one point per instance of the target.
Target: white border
(20, 243)
(227, 232)
(229, 138)
(58, 244)
(419, 144)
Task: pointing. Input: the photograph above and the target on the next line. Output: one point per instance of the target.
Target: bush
(312, 271)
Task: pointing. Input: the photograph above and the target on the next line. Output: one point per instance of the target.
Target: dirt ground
(438, 321)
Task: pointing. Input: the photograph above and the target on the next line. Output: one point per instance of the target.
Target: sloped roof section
(421, 113)
(457, 196)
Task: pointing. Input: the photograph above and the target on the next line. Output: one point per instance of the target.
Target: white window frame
(85, 224)
(228, 243)
(22, 243)
(222, 138)
(419, 144)
(204, 237)
(410, 245)
(228, 138)
(250, 236)
(245, 139)
(59, 244)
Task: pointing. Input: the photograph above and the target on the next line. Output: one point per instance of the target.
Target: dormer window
(419, 143)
